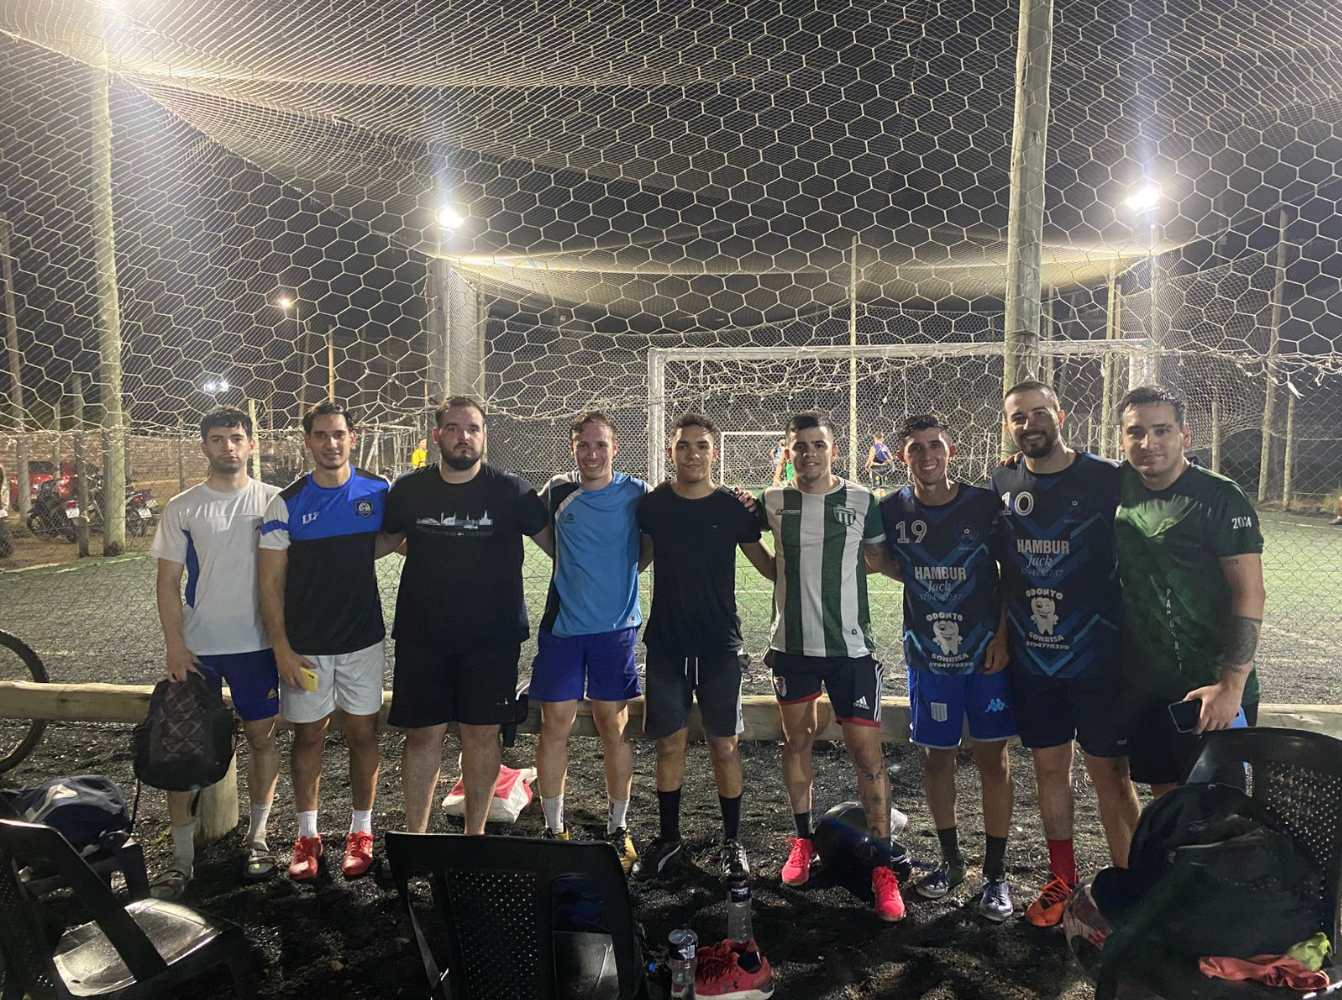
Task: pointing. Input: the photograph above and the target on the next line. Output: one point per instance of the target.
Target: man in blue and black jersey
(319, 599)
(587, 637)
(1064, 612)
(944, 537)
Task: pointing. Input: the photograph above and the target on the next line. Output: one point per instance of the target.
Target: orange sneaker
(358, 854)
(888, 903)
(797, 868)
(1046, 911)
(307, 858)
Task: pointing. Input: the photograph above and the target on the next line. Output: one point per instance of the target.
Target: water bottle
(684, 944)
(897, 823)
(738, 910)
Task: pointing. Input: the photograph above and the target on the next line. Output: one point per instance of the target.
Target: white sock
(307, 824)
(361, 821)
(617, 812)
(184, 846)
(256, 833)
(554, 812)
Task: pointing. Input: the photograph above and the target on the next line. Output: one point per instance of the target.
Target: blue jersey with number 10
(947, 556)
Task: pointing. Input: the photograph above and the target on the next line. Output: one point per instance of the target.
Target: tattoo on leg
(1242, 644)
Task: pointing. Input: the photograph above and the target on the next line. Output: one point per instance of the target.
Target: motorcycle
(141, 508)
(6, 539)
(51, 517)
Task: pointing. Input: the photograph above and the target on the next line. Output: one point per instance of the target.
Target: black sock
(994, 859)
(950, 844)
(668, 812)
(731, 817)
(803, 821)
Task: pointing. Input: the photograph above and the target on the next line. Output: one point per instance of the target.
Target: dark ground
(350, 939)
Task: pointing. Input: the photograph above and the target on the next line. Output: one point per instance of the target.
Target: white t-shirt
(215, 536)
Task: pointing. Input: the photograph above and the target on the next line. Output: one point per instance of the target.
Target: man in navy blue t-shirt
(1060, 575)
(944, 537)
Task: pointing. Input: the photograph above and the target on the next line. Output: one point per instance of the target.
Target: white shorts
(351, 682)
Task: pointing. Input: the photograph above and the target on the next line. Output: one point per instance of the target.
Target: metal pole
(181, 456)
(81, 472)
(1025, 222)
(254, 462)
(1288, 465)
(656, 416)
(330, 365)
(1216, 432)
(852, 363)
(18, 404)
(1107, 437)
(56, 438)
(107, 320)
(1270, 395)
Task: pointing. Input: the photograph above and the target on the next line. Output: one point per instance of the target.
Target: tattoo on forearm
(1243, 643)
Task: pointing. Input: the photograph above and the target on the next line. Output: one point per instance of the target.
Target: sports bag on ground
(82, 808)
(185, 742)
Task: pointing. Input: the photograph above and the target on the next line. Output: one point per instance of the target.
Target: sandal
(170, 886)
(262, 864)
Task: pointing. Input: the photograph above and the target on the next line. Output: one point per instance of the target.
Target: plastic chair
(1297, 777)
(496, 897)
(116, 852)
(146, 949)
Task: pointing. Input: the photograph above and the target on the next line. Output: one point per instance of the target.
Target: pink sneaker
(733, 971)
(307, 858)
(358, 854)
(797, 869)
(889, 904)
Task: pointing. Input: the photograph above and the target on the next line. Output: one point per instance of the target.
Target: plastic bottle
(738, 910)
(684, 947)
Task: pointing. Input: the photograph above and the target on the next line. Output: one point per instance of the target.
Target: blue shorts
(940, 703)
(605, 661)
(252, 680)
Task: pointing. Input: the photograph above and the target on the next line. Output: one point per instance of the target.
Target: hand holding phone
(310, 679)
(1185, 714)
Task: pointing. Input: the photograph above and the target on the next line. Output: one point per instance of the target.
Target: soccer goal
(873, 388)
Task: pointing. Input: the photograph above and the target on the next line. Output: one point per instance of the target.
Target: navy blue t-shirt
(1060, 566)
(947, 556)
(331, 603)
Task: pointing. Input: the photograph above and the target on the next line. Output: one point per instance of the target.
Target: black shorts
(1051, 711)
(878, 474)
(1158, 754)
(852, 683)
(431, 686)
(673, 680)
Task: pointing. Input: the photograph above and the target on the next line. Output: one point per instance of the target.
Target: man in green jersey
(1190, 558)
(826, 530)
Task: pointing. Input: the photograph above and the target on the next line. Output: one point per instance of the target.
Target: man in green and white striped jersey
(826, 530)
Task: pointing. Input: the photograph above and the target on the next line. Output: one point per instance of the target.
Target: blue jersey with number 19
(947, 556)
(1060, 567)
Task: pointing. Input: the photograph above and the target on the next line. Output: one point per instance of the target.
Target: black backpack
(185, 742)
(1226, 879)
(83, 808)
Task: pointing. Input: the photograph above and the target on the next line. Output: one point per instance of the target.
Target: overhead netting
(263, 203)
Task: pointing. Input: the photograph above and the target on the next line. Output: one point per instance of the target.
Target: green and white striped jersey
(820, 594)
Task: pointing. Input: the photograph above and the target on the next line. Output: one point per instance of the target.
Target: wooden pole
(181, 456)
(1216, 431)
(1108, 435)
(19, 406)
(254, 463)
(1288, 463)
(330, 365)
(81, 471)
(1273, 346)
(853, 473)
(1025, 220)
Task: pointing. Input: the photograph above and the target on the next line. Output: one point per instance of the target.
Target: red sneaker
(889, 904)
(1046, 911)
(358, 854)
(730, 970)
(797, 869)
(307, 858)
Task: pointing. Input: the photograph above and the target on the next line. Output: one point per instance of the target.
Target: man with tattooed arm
(1190, 558)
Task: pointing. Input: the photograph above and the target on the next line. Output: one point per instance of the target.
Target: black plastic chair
(116, 852)
(496, 897)
(146, 949)
(1297, 777)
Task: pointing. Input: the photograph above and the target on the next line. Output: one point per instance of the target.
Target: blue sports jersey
(1060, 566)
(594, 586)
(331, 603)
(881, 454)
(947, 556)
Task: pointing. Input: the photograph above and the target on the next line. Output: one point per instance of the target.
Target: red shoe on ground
(307, 858)
(730, 970)
(797, 869)
(358, 854)
(889, 904)
(1046, 911)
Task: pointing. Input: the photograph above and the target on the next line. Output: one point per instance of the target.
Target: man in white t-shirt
(210, 533)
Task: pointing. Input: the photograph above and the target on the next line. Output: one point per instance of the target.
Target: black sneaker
(942, 879)
(732, 858)
(655, 857)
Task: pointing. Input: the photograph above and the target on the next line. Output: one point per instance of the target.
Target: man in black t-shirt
(694, 635)
(460, 618)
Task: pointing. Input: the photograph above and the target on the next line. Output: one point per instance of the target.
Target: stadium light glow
(1144, 198)
(284, 302)
(214, 386)
(450, 218)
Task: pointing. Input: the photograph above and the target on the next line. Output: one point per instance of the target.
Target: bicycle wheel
(18, 737)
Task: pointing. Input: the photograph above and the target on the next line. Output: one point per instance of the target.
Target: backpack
(185, 742)
(81, 808)
(1232, 882)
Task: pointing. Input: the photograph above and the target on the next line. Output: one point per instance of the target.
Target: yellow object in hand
(309, 678)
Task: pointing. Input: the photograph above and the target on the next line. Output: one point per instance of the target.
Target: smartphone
(309, 678)
(1185, 714)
